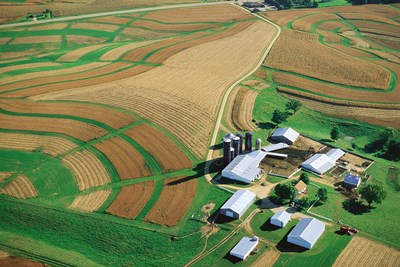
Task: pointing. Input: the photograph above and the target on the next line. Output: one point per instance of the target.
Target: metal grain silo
(236, 145)
(227, 151)
(258, 144)
(249, 141)
(240, 142)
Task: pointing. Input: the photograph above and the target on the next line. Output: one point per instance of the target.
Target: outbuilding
(306, 232)
(238, 204)
(281, 218)
(285, 135)
(320, 163)
(244, 168)
(300, 187)
(351, 181)
(245, 246)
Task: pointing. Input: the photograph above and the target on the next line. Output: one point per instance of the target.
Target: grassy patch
(274, 179)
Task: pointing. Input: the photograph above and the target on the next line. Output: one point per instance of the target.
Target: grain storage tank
(227, 151)
(232, 154)
(249, 141)
(240, 142)
(236, 145)
(258, 144)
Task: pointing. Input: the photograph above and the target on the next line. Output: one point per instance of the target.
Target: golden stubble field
(183, 94)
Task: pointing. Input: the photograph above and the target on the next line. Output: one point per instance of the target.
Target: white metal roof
(352, 179)
(308, 229)
(246, 166)
(318, 163)
(278, 155)
(288, 133)
(275, 147)
(244, 247)
(282, 216)
(239, 201)
(335, 154)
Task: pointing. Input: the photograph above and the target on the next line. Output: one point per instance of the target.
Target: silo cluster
(233, 145)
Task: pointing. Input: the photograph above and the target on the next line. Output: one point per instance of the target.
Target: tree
(381, 140)
(294, 105)
(279, 116)
(285, 191)
(305, 203)
(322, 194)
(304, 178)
(335, 133)
(373, 193)
(393, 151)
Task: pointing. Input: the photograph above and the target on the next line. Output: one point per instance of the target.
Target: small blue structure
(351, 181)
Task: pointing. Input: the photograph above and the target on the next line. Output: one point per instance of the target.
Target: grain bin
(249, 141)
(236, 145)
(240, 143)
(227, 151)
(258, 144)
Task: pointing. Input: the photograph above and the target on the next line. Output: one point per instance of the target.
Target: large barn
(306, 232)
(244, 168)
(281, 218)
(245, 246)
(238, 204)
(285, 135)
(320, 163)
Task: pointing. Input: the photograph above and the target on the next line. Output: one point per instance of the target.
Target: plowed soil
(95, 26)
(77, 129)
(175, 199)
(83, 39)
(131, 200)
(28, 66)
(19, 262)
(37, 39)
(160, 147)
(111, 117)
(304, 24)
(331, 25)
(362, 252)
(128, 162)
(111, 19)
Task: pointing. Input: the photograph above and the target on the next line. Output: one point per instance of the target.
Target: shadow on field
(356, 207)
(266, 125)
(284, 246)
(231, 258)
(267, 226)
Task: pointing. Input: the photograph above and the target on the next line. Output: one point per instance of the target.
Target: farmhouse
(300, 187)
(281, 218)
(238, 204)
(286, 135)
(320, 163)
(306, 232)
(351, 181)
(244, 168)
(245, 246)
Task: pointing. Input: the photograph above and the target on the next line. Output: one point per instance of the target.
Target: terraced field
(337, 59)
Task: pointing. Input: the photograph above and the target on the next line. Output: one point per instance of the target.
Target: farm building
(244, 168)
(238, 204)
(274, 147)
(244, 247)
(281, 218)
(285, 135)
(351, 181)
(300, 187)
(306, 232)
(320, 163)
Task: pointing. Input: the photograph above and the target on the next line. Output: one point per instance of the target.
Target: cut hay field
(175, 199)
(91, 201)
(364, 252)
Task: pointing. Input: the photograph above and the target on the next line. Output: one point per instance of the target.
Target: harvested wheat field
(83, 39)
(19, 187)
(354, 52)
(52, 26)
(116, 74)
(4, 175)
(38, 74)
(160, 147)
(370, 17)
(197, 77)
(219, 13)
(76, 129)
(128, 162)
(50, 145)
(112, 20)
(173, 27)
(337, 91)
(363, 252)
(131, 200)
(116, 53)
(87, 169)
(379, 115)
(175, 199)
(391, 29)
(91, 201)
(331, 25)
(95, 26)
(78, 53)
(329, 37)
(111, 117)
(302, 53)
(305, 23)
(27, 66)
(37, 39)
(240, 109)
(133, 33)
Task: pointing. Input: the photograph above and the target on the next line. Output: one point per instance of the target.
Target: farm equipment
(348, 230)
